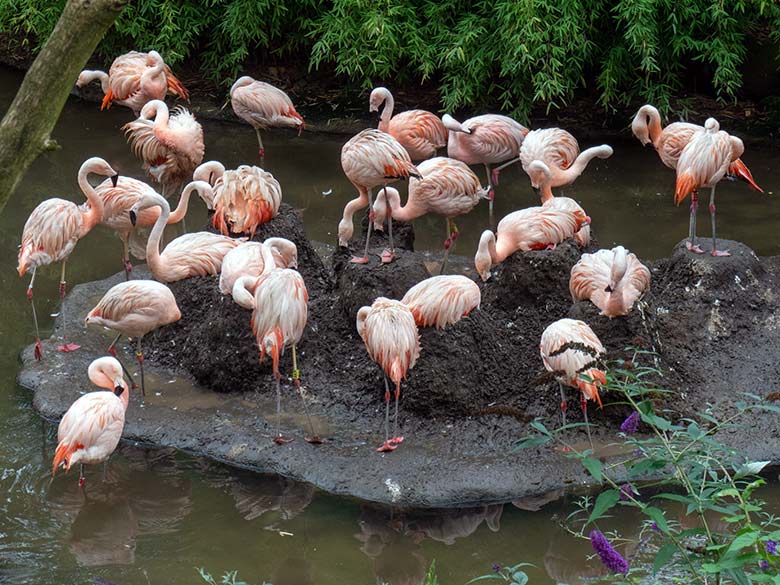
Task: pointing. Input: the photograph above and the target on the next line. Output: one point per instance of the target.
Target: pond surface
(157, 514)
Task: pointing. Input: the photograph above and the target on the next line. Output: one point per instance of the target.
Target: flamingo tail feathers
(591, 389)
(107, 99)
(740, 170)
(175, 86)
(63, 454)
(685, 185)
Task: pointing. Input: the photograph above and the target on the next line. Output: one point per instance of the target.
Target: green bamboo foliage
(507, 54)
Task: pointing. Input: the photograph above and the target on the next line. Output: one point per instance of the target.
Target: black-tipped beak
(118, 390)
(114, 180)
(133, 217)
(608, 289)
(211, 177)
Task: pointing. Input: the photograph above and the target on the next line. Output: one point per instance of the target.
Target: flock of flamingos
(262, 277)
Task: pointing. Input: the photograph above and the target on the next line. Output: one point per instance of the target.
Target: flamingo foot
(387, 446)
(494, 176)
(128, 266)
(68, 347)
(82, 482)
(694, 248)
(717, 253)
(38, 350)
(29, 293)
(491, 193)
(359, 260)
(282, 440)
(396, 441)
(111, 351)
(261, 152)
(313, 440)
(387, 256)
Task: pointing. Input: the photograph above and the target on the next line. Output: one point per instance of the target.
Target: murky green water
(159, 514)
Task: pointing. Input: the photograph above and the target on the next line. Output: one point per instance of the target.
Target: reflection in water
(258, 495)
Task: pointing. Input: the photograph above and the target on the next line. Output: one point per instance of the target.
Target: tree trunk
(24, 131)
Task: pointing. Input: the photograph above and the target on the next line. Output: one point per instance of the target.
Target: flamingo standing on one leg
(170, 144)
(52, 231)
(485, 140)
(135, 308)
(390, 334)
(442, 300)
(91, 428)
(247, 260)
(571, 350)
(196, 254)
(448, 187)
(613, 280)
(135, 79)
(534, 228)
(261, 105)
(371, 158)
(703, 162)
(420, 132)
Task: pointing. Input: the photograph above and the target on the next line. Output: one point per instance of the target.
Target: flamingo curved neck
(488, 243)
(567, 176)
(387, 111)
(406, 213)
(615, 299)
(181, 209)
(355, 204)
(243, 291)
(153, 245)
(90, 76)
(546, 192)
(654, 127)
(161, 116)
(92, 216)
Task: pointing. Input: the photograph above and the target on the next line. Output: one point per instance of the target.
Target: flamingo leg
(65, 347)
(112, 352)
(491, 192)
(388, 255)
(715, 251)
(499, 168)
(364, 259)
(279, 439)
(584, 405)
(691, 244)
(314, 437)
(261, 150)
(37, 351)
(82, 479)
(126, 256)
(397, 439)
(140, 357)
(388, 445)
(563, 403)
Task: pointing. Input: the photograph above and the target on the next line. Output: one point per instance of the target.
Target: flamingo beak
(608, 289)
(114, 179)
(118, 390)
(211, 177)
(133, 217)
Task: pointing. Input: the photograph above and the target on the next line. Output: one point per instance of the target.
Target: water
(159, 514)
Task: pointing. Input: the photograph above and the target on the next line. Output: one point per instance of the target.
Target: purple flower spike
(631, 424)
(627, 491)
(764, 565)
(611, 558)
(654, 526)
(771, 547)
(496, 568)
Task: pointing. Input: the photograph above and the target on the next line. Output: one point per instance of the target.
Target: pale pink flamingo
(448, 187)
(135, 79)
(390, 334)
(534, 228)
(135, 308)
(371, 158)
(420, 132)
(196, 254)
(279, 307)
(703, 162)
(244, 198)
(52, 231)
(91, 428)
(541, 178)
(613, 280)
(261, 105)
(170, 144)
(442, 300)
(486, 140)
(247, 260)
(119, 199)
(571, 350)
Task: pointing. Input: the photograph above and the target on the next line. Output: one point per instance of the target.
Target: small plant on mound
(725, 535)
(229, 578)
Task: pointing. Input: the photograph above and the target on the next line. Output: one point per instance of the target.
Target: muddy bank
(477, 384)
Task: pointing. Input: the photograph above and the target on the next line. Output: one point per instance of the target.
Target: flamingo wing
(442, 300)
(262, 105)
(391, 337)
(50, 233)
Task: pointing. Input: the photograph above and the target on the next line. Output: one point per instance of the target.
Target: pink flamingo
(534, 228)
(571, 350)
(389, 331)
(52, 231)
(703, 162)
(613, 280)
(91, 428)
(448, 187)
(371, 158)
(244, 198)
(170, 146)
(135, 308)
(135, 79)
(420, 132)
(119, 199)
(196, 254)
(442, 300)
(261, 105)
(485, 140)
(247, 260)
(279, 307)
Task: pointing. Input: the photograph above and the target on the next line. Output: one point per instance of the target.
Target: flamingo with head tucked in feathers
(247, 260)
(135, 79)
(442, 300)
(91, 428)
(420, 132)
(371, 158)
(52, 231)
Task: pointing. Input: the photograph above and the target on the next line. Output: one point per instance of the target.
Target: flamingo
(135, 308)
(485, 140)
(420, 132)
(135, 79)
(613, 280)
(279, 312)
(247, 260)
(371, 158)
(570, 350)
(170, 146)
(261, 105)
(244, 198)
(119, 199)
(196, 254)
(541, 179)
(534, 228)
(442, 300)
(703, 162)
(91, 428)
(52, 231)
(448, 187)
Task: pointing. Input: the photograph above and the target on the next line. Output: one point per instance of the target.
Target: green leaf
(663, 556)
(594, 468)
(658, 517)
(531, 441)
(604, 502)
(743, 540)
